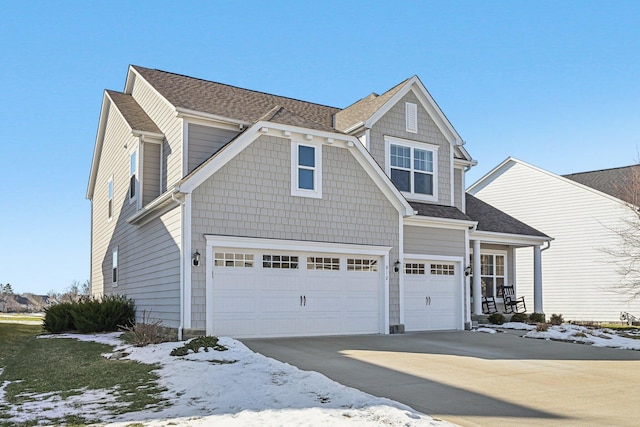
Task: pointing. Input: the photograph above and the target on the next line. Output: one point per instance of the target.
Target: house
(228, 211)
(583, 212)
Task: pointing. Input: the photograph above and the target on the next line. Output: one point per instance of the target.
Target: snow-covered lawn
(233, 387)
(581, 334)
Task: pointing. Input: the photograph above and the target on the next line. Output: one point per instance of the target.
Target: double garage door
(270, 293)
(432, 295)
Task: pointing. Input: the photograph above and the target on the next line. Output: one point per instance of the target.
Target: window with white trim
(362, 264)
(238, 260)
(443, 269)
(413, 168)
(492, 274)
(114, 266)
(110, 198)
(414, 268)
(288, 262)
(306, 169)
(133, 176)
(323, 263)
(411, 113)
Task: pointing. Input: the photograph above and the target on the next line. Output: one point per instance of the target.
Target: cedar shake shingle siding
(251, 196)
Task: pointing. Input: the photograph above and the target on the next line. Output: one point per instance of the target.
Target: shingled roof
(614, 182)
(133, 112)
(234, 102)
(363, 109)
(439, 211)
(494, 220)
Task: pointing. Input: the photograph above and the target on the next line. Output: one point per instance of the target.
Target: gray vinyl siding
(204, 141)
(393, 124)
(433, 241)
(164, 116)
(150, 172)
(251, 197)
(148, 256)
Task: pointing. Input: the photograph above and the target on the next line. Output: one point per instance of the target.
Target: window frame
(494, 276)
(316, 192)
(413, 145)
(115, 270)
(134, 175)
(110, 190)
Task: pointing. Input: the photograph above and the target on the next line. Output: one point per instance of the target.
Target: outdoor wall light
(467, 270)
(396, 266)
(196, 259)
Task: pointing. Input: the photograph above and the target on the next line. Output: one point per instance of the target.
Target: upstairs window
(411, 113)
(110, 198)
(413, 168)
(306, 170)
(133, 176)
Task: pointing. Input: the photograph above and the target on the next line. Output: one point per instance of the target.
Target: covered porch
(492, 258)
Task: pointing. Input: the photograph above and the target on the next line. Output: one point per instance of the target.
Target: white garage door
(431, 295)
(269, 293)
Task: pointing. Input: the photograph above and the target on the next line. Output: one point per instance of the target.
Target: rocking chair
(489, 305)
(511, 303)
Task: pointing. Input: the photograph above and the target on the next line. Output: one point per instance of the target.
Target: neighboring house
(582, 212)
(234, 212)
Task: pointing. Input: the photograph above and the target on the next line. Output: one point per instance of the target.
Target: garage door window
(414, 268)
(323, 263)
(280, 261)
(362, 264)
(226, 259)
(443, 269)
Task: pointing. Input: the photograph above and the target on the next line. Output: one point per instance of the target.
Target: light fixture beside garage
(196, 258)
(467, 270)
(396, 266)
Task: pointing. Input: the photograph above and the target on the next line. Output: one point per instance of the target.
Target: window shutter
(411, 110)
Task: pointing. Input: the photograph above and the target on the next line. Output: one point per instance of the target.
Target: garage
(432, 295)
(279, 289)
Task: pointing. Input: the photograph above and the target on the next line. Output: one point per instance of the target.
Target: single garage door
(431, 295)
(270, 293)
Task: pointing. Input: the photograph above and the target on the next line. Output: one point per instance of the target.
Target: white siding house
(581, 279)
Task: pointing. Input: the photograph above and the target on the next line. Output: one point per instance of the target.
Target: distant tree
(626, 255)
(6, 289)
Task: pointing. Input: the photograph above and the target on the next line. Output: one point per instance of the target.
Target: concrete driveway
(478, 379)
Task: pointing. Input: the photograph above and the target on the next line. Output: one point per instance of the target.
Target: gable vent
(411, 110)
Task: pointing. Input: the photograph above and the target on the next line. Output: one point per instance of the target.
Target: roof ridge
(236, 87)
(602, 170)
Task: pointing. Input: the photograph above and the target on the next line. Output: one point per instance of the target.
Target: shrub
(143, 333)
(104, 315)
(542, 327)
(519, 317)
(496, 318)
(537, 318)
(556, 319)
(57, 318)
(196, 344)
(91, 315)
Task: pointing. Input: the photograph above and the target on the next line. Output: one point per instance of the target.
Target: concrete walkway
(478, 379)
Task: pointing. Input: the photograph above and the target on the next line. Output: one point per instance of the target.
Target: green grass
(65, 367)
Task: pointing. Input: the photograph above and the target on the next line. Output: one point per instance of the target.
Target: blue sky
(552, 83)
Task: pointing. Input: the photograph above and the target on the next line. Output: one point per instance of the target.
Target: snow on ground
(581, 334)
(486, 330)
(249, 389)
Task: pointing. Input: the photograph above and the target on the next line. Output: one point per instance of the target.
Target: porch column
(537, 280)
(477, 281)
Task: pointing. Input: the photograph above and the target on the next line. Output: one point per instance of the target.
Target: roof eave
(507, 238)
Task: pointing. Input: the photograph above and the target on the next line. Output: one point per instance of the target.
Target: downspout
(181, 326)
(548, 246)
